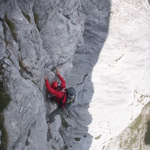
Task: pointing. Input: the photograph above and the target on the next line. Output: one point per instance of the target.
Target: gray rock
(37, 36)
(40, 36)
(96, 29)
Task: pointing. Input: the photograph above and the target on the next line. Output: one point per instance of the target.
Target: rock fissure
(23, 66)
(83, 79)
(119, 58)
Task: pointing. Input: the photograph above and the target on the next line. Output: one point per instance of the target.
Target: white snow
(121, 77)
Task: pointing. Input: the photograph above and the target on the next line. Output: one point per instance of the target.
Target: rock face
(96, 16)
(136, 136)
(99, 49)
(41, 35)
(120, 76)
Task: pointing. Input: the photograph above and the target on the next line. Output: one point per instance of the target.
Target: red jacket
(59, 94)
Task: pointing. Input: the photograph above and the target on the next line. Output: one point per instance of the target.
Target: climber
(59, 93)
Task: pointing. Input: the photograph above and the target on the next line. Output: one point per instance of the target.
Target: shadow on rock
(147, 134)
(96, 15)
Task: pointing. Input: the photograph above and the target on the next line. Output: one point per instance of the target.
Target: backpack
(71, 94)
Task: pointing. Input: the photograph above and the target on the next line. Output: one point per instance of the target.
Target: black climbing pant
(54, 113)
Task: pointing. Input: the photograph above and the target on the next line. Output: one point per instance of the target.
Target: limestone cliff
(35, 37)
(101, 48)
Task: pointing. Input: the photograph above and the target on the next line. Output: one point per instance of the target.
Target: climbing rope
(7, 44)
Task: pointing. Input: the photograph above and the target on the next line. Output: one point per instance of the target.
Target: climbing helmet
(54, 85)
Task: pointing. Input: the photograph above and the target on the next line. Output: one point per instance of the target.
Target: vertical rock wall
(41, 34)
(37, 35)
(96, 14)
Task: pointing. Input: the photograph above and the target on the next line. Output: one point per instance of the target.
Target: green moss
(147, 138)
(133, 136)
(19, 49)
(64, 123)
(36, 18)
(135, 128)
(147, 134)
(26, 16)
(5, 30)
(98, 137)
(119, 58)
(136, 125)
(142, 96)
(65, 147)
(21, 64)
(120, 144)
(4, 100)
(34, 82)
(4, 137)
(77, 139)
(133, 140)
(11, 27)
(24, 69)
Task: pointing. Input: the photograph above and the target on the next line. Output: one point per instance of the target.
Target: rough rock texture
(99, 49)
(136, 136)
(43, 34)
(121, 75)
(96, 14)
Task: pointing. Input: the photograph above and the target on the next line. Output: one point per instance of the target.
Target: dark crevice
(27, 142)
(24, 113)
(24, 69)
(26, 16)
(54, 147)
(119, 58)
(36, 19)
(67, 16)
(21, 71)
(29, 133)
(11, 26)
(147, 134)
(83, 79)
(49, 134)
(5, 30)
(92, 2)
(77, 139)
(4, 101)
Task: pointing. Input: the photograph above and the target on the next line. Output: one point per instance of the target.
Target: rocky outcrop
(136, 136)
(96, 16)
(41, 35)
(35, 37)
(99, 49)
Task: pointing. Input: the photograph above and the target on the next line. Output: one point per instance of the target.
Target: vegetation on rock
(4, 100)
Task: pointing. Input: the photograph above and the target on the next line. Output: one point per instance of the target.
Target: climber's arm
(63, 82)
(50, 89)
